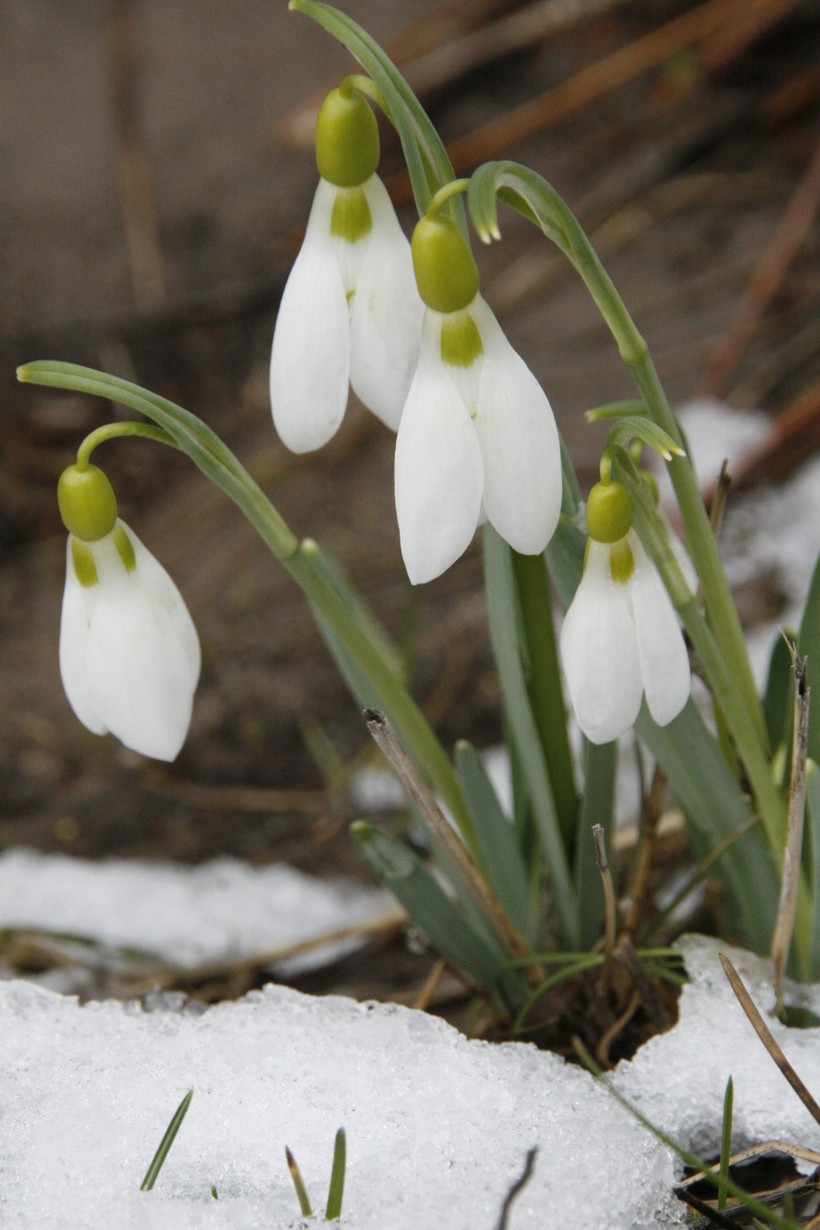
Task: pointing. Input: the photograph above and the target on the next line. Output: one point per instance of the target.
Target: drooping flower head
(350, 313)
(477, 437)
(129, 652)
(620, 638)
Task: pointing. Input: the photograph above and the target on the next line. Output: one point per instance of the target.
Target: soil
(155, 189)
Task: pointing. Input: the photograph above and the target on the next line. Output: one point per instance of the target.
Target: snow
(184, 915)
(438, 1126)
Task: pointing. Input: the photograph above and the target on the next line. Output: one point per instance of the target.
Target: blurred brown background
(155, 176)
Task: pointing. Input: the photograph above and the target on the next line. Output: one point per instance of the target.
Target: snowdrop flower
(129, 652)
(477, 438)
(350, 313)
(621, 639)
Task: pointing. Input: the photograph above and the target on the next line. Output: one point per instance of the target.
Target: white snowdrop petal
(599, 653)
(438, 473)
(386, 314)
(74, 622)
(141, 658)
(310, 358)
(519, 444)
(664, 660)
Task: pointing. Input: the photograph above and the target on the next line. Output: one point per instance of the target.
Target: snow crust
(438, 1126)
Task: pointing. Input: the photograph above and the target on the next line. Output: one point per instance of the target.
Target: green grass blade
(503, 863)
(298, 1184)
(152, 1173)
(726, 1143)
(336, 1191)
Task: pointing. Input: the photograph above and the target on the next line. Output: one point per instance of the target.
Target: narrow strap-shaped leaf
(715, 807)
(434, 912)
(808, 646)
(813, 850)
(504, 633)
(503, 862)
(544, 685)
(597, 806)
(778, 702)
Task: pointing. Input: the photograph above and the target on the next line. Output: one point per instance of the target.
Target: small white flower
(129, 652)
(476, 439)
(350, 314)
(620, 641)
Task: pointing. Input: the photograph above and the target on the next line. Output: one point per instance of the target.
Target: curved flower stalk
(129, 652)
(621, 639)
(477, 437)
(350, 313)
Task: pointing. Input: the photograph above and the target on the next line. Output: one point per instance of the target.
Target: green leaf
(715, 807)
(808, 646)
(427, 160)
(504, 636)
(158, 1160)
(616, 410)
(778, 703)
(335, 1195)
(539, 653)
(639, 427)
(502, 863)
(813, 848)
(447, 928)
(597, 806)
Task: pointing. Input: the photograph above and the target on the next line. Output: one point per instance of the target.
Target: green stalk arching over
(427, 160)
(303, 561)
(531, 195)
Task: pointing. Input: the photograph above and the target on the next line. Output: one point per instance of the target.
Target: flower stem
(112, 431)
(717, 665)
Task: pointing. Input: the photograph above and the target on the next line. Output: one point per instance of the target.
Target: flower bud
(446, 272)
(87, 502)
(347, 139)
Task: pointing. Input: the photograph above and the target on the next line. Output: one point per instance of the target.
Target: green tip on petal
(87, 503)
(347, 139)
(621, 562)
(82, 561)
(609, 512)
(351, 218)
(125, 548)
(446, 272)
(461, 341)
